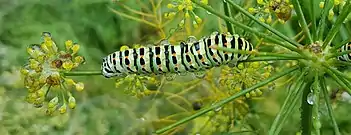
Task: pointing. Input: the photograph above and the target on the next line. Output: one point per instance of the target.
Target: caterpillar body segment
(345, 57)
(190, 56)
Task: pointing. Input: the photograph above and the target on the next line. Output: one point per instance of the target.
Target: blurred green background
(101, 107)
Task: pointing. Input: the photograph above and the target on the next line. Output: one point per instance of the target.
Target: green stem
(343, 63)
(302, 20)
(313, 16)
(259, 53)
(293, 95)
(343, 83)
(329, 108)
(242, 10)
(228, 13)
(338, 73)
(321, 24)
(315, 112)
(337, 54)
(225, 101)
(335, 48)
(306, 110)
(336, 27)
(82, 73)
(268, 58)
(268, 37)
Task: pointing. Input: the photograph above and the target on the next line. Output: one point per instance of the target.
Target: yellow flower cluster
(44, 74)
(281, 8)
(137, 85)
(185, 7)
(244, 76)
(336, 3)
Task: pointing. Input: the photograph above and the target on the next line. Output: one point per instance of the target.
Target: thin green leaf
(82, 73)
(268, 37)
(343, 83)
(329, 108)
(302, 20)
(263, 24)
(293, 95)
(336, 47)
(313, 18)
(269, 58)
(228, 13)
(315, 108)
(321, 24)
(306, 110)
(225, 101)
(337, 54)
(336, 27)
(259, 53)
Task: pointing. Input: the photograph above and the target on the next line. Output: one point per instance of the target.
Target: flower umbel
(281, 8)
(44, 78)
(185, 7)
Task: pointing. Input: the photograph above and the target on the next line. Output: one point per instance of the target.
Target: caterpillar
(190, 56)
(345, 57)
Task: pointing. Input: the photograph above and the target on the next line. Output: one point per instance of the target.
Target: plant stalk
(225, 101)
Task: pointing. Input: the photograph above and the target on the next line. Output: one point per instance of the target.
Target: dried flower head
(186, 8)
(43, 75)
(280, 8)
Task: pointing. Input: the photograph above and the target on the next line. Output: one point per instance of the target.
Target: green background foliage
(101, 107)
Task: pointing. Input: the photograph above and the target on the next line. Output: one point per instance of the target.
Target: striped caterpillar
(191, 56)
(345, 57)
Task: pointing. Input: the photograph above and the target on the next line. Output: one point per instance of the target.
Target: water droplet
(208, 12)
(311, 98)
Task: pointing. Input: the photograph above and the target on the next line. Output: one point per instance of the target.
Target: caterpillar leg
(200, 74)
(170, 76)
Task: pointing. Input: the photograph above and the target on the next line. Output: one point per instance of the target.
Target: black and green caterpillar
(191, 56)
(345, 57)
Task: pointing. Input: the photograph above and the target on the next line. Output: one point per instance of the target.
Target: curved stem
(302, 20)
(329, 108)
(336, 27)
(211, 10)
(82, 73)
(225, 101)
(263, 24)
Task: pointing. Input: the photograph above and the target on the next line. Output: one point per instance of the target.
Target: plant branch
(343, 83)
(211, 10)
(268, 58)
(313, 18)
(329, 108)
(228, 13)
(225, 101)
(263, 24)
(82, 73)
(336, 47)
(336, 27)
(293, 96)
(321, 24)
(302, 20)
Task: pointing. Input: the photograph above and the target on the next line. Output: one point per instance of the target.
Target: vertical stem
(313, 18)
(306, 111)
(315, 113)
(329, 108)
(336, 27)
(302, 20)
(229, 14)
(321, 24)
(225, 101)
